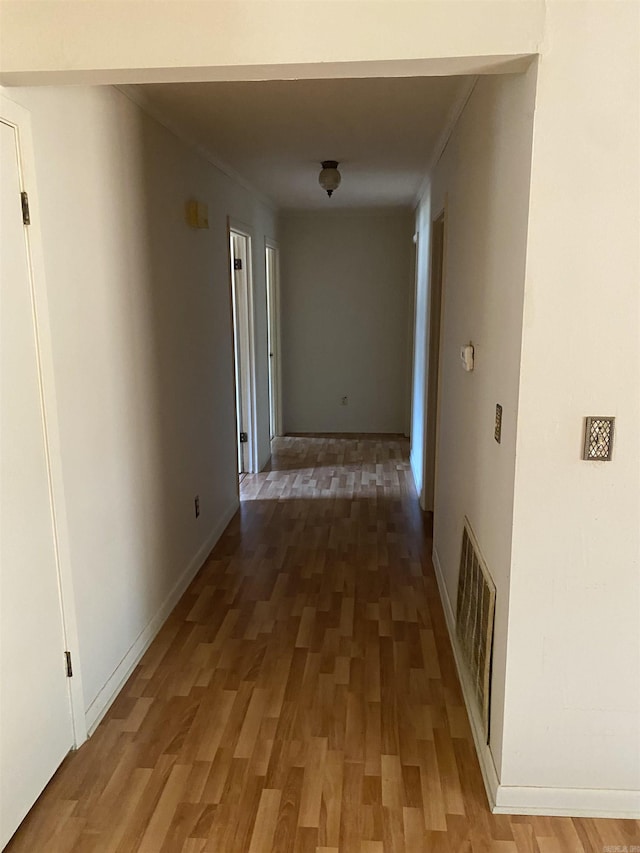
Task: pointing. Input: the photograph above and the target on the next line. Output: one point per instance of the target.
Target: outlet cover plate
(598, 439)
(497, 432)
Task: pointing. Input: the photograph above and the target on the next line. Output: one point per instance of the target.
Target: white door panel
(35, 715)
(241, 283)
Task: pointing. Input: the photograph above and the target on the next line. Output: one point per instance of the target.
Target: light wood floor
(303, 694)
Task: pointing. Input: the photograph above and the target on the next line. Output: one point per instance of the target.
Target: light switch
(497, 432)
(598, 439)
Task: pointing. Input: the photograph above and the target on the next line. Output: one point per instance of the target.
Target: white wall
(345, 294)
(482, 181)
(567, 738)
(114, 43)
(573, 679)
(140, 324)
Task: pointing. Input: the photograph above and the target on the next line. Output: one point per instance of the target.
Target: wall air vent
(474, 620)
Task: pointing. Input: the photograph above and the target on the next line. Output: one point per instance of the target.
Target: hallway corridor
(302, 696)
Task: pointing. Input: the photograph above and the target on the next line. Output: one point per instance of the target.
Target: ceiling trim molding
(135, 94)
(451, 120)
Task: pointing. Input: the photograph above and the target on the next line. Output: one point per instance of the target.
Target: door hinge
(244, 438)
(67, 660)
(26, 217)
(237, 263)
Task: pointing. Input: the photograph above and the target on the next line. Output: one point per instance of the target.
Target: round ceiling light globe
(329, 177)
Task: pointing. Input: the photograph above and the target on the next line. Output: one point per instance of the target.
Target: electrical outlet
(344, 401)
(196, 504)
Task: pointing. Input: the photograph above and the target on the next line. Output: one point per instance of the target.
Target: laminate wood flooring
(302, 696)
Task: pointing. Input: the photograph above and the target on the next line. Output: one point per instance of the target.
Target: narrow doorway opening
(412, 341)
(242, 314)
(272, 258)
(433, 375)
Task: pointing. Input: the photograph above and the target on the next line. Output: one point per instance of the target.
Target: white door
(272, 261)
(241, 282)
(35, 713)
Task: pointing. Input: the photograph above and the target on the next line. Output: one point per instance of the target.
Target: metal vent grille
(474, 620)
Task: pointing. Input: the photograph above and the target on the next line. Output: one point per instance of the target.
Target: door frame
(273, 331)
(18, 117)
(413, 307)
(433, 377)
(244, 230)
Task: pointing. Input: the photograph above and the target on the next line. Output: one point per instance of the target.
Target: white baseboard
(103, 701)
(487, 766)
(568, 802)
(511, 799)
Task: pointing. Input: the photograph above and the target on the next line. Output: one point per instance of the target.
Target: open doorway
(272, 258)
(433, 376)
(243, 349)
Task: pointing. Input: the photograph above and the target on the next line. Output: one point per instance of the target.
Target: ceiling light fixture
(329, 177)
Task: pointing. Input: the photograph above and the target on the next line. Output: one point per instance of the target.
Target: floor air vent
(474, 620)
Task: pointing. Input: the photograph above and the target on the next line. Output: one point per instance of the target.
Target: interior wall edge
(481, 65)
